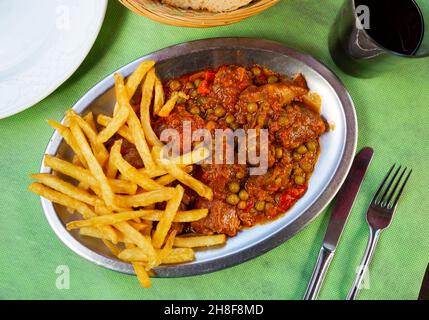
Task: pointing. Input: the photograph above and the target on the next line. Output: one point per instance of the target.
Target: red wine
(396, 25)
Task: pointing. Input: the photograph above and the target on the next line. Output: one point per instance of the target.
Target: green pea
(197, 82)
(175, 85)
(306, 166)
(181, 100)
(311, 145)
(272, 79)
(301, 149)
(256, 71)
(279, 153)
(229, 119)
(296, 156)
(232, 199)
(260, 205)
(299, 180)
(298, 171)
(219, 112)
(195, 110)
(234, 187)
(252, 107)
(239, 175)
(189, 85)
(234, 126)
(242, 205)
(243, 195)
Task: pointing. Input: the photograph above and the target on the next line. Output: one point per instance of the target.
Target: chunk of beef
(229, 82)
(222, 218)
(303, 125)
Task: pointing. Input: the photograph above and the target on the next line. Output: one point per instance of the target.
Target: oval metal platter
(337, 148)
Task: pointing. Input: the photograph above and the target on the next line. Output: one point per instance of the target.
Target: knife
(343, 206)
(424, 291)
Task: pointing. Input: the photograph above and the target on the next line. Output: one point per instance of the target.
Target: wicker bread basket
(157, 11)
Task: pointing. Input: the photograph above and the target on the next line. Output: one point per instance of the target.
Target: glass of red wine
(373, 36)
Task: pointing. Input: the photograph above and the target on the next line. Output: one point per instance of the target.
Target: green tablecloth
(393, 118)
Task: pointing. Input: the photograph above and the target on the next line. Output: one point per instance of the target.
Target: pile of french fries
(116, 200)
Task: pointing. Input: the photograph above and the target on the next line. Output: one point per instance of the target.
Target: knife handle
(323, 261)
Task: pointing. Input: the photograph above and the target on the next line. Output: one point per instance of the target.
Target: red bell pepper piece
(204, 88)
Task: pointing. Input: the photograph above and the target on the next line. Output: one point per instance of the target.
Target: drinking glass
(369, 37)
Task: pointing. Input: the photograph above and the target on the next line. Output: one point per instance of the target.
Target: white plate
(42, 43)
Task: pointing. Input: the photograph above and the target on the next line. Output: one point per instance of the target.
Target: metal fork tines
(380, 212)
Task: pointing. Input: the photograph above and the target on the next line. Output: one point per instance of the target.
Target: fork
(380, 212)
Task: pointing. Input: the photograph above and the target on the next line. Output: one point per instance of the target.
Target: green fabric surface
(393, 118)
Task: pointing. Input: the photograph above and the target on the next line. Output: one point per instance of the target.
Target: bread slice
(210, 5)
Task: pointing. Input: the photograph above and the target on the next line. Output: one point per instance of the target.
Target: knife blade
(343, 204)
(424, 291)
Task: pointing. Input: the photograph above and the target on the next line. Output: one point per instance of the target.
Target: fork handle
(323, 261)
(374, 235)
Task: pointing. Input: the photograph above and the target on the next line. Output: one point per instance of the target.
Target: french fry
(107, 219)
(139, 226)
(137, 238)
(156, 172)
(182, 176)
(123, 131)
(85, 176)
(64, 187)
(164, 224)
(76, 161)
(159, 96)
(133, 254)
(168, 247)
(121, 115)
(147, 91)
(137, 76)
(146, 198)
(111, 170)
(177, 255)
(165, 180)
(138, 133)
(69, 202)
(61, 199)
(169, 105)
(69, 139)
(93, 164)
(142, 274)
(195, 156)
(121, 186)
(99, 150)
(97, 233)
(199, 241)
(89, 118)
(152, 215)
(129, 171)
(114, 249)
